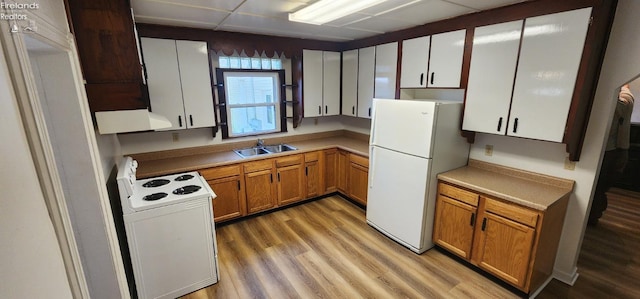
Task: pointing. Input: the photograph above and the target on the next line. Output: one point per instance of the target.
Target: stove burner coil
(156, 183)
(184, 177)
(186, 189)
(155, 196)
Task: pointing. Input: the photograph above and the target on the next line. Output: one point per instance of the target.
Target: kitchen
(535, 156)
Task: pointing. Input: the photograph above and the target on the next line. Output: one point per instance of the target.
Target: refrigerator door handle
(372, 167)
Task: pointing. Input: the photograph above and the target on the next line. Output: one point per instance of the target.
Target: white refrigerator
(411, 142)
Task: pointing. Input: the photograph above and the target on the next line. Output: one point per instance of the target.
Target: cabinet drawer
(362, 161)
(313, 156)
(459, 194)
(512, 211)
(289, 160)
(258, 165)
(220, 172)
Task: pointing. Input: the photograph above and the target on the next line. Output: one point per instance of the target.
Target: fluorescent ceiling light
(324, 11)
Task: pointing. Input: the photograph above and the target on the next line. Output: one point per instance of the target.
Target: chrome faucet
(260, 142)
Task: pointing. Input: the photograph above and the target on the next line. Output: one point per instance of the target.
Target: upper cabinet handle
(515, 125)
(421, 78)
(319, 110)
(191, 119)
(499, 124)
(432, 75)
(180, 121)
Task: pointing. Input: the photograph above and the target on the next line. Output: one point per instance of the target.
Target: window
(251, 102)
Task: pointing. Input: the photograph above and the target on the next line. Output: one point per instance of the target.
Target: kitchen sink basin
(279, 148)
(251, 151)
(263, 149)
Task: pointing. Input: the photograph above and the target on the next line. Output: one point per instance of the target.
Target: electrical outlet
(568, 164)
(175, 137)
(488, 150)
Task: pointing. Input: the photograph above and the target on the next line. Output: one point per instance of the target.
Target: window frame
(225, 108)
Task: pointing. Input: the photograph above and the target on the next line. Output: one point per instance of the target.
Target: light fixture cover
(325, 11)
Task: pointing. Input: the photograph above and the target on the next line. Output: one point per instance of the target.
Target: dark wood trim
(228, 42)
(296, 80)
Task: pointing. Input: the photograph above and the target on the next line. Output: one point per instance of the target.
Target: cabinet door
(163, 80)
(343, 172)
(259, 190)
(453, 226)
(290, 184)
(312, 173)
(445, 59)
(415, 59)
(491, 75)
(330, 171)
(331, 83)
(229, 203)
(312, 83)
(504, 248)
(366, 75)
(358, 182)
(386, 71)
(350, 82)
(547, 69)
(195, 76)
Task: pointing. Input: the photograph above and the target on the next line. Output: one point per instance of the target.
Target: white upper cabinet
(530, 99)
(491, 74)
(445, 59)
(350, 82)
(386, 70)
(179, 81)
(366, 75)
(415, 59)
(321, 83)
(549, 60)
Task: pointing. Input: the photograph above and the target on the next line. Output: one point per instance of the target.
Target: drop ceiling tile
(164, 11)
(272, 24)
(426, 12)
(223, 5)
(271, 8)
(381, 24)
(264, 31)
(344, 32)
(387, 6)
(174, 22)
(356, 17)
(486, 4)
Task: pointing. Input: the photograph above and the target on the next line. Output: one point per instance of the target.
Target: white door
(493, 68)
(445, 59)
(415, 59)
(312, 83)
(350, 82)
(403, 125)
(195, 76)
(386, 71)
(366, 74)
(396, 200)
(331, 83)
(547, 69)
(163, 79)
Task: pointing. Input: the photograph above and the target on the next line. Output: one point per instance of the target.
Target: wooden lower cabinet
(358, 178)
(227, 183)
(514, 243)
(342, 179)
(313, 174)
(290, 179)
(260, 187)
(330, 170)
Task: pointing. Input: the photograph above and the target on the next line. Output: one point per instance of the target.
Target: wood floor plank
(325, 249)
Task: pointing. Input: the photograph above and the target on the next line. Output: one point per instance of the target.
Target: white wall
(32, 265)
(621, 65)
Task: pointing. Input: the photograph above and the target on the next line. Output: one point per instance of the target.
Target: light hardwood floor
(325, 249)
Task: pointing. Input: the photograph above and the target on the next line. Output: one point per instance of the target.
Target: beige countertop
(176, 161)
(529, 189)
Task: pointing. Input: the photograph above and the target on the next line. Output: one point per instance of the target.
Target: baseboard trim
(567, 278)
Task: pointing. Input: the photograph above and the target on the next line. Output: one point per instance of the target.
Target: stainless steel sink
(263, 149)
(251, 151)
(279, 148)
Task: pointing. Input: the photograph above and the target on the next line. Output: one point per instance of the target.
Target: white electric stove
(170, 231)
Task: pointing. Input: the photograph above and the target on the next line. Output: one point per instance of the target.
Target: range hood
(122, 121)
